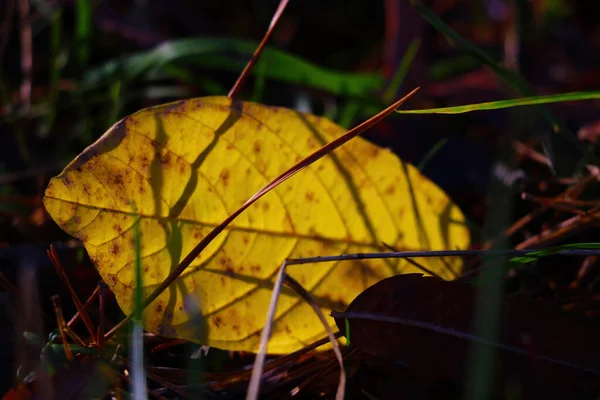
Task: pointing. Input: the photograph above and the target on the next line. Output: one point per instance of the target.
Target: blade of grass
(291, 282)
(53, 255)
(83, 29)
(432, 152)
(509, 77)
(257, 369)
(496, 105)
(217, 53)
(237, 86)
(259, 361)
(60, 321)
(400, 74)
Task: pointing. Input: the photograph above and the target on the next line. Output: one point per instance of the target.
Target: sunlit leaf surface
(181, 168)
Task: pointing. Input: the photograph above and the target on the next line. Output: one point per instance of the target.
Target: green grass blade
(534, 255)
(432, 152)
(83, 29)
(405, 63)
(496, 105)
(515, 81)
(232, 55)
(464, 45)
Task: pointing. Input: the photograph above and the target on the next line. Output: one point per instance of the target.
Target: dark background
(554, 45)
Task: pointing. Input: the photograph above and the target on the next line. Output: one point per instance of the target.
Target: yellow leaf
(181, 168)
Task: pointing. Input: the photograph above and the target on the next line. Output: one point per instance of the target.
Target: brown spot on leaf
(310, 196)
(230, 272)
(390, 189)
(225, 262)
(158, 308)
(255, 268)
(225, 176)
(144, 161)
(114, 249)
(67, 181)
(311, 144)
(401, 213)
(257, 147)
(166, 159)
(217, 321)
(154, 143)
(118, 229)
(266, 206)
(245, 239)
(118, 179)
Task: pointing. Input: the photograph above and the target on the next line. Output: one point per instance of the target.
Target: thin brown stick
(571, 192)
(257, 369)
(237, 86)
(101, 303)
(552, 203)
(330, 365)
(562, 230)
(167, 345)
(87, 303)
(291, 282)
(318, 154)
(74, 336)
(167, 385)
(26, 58)
(53, 255)
(259, 361)
(559, 202)
(60, 321)
(527, 151)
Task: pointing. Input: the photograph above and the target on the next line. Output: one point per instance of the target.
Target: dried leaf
(428, 324)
